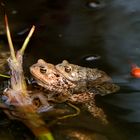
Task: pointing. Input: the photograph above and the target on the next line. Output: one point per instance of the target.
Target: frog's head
(41, 69)
(77, 73)
(48, 76)
(70, 71)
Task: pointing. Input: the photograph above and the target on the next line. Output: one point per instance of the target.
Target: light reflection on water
(129, 101)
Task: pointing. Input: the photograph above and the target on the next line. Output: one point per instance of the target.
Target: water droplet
(2, 4)
(14, 12)
(59, 35)
(95, 4)
(92, 57)
(23, 31)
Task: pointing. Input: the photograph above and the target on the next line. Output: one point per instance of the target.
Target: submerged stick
(71, 115)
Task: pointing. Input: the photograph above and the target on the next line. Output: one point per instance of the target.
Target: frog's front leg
(41, 102)
(88, 101)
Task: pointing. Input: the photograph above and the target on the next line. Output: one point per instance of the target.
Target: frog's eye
(42, 69)
(67, 69)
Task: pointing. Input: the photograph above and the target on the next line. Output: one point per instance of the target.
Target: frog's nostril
(33, 66)
(57, 75)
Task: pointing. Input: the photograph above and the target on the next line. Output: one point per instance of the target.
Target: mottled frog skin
(73, 83)
(48, 77)
(90, 79)
(77, 73)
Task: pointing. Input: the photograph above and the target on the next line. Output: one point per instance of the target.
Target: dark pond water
(75, 30)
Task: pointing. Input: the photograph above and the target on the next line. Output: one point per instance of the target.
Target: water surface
(73, 30)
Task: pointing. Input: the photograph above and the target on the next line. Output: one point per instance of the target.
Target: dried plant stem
(9, 39)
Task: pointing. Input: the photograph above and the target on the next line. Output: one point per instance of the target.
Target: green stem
(5, 76)
(71, 115)
(27, 40)
(10, 39)
(46, 136)
(67, 116)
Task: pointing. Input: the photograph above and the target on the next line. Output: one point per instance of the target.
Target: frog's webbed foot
(41, 102)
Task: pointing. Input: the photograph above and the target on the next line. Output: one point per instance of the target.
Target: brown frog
(73, 83)
(52, 80)
(87, 78)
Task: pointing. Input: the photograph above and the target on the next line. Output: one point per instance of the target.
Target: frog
(51, 80)
(92, 78)
(66, 82)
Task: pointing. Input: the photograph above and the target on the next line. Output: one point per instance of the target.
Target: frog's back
(77, 73)
(104, 88)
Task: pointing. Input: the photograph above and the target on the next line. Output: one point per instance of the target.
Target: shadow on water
(75, 29)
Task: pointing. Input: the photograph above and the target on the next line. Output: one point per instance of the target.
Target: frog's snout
(33, 68)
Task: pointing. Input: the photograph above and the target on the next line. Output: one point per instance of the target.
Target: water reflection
(127, 99)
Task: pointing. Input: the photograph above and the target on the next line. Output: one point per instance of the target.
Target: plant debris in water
(17, 94)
